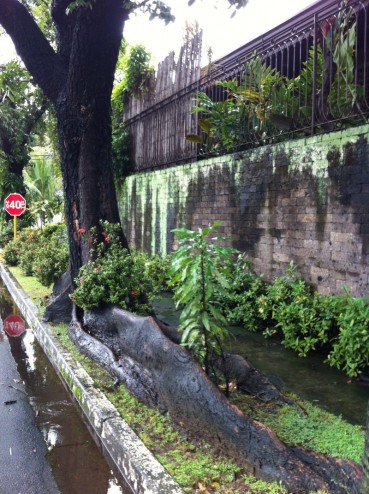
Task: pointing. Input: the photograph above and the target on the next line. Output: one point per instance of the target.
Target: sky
(220, 32)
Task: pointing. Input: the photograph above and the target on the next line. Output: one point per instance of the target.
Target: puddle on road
(77, 463)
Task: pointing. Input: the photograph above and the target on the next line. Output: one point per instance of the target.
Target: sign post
(15, 205)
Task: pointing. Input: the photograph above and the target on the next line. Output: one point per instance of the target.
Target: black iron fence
(310, 75)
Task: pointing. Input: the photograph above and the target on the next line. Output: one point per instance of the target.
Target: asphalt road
(23, 465)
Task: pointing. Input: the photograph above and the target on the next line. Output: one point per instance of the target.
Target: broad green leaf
(205, 320)
(195, 138)
(205, 125)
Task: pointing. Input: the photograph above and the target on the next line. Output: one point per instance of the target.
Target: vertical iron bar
(365, 60)
(315, 63)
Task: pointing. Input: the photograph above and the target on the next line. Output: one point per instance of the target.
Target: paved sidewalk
(23, 465)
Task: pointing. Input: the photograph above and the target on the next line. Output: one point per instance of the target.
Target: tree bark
(84, 126)
(180, 386)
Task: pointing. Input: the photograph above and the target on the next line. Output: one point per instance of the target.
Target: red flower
(38, 269)
(134, 293)
(107, 239)
(327, 23)
(103, 234)
(81, 230)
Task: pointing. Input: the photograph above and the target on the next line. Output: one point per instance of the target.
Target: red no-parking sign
(15, 204)
(14, 325)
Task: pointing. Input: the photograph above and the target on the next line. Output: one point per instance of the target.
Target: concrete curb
(123, 449)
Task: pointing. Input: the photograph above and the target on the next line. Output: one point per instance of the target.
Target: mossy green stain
(67, 378)
(77, 392)
(161, 189)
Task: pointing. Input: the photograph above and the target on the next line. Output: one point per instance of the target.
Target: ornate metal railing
(310, 75)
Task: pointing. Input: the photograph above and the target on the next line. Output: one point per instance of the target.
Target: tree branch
(63, 26)
(32, 46)
(35, 117)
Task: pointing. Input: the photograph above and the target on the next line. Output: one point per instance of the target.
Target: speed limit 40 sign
(15, 204)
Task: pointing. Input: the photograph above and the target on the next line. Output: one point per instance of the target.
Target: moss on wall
(304, 200)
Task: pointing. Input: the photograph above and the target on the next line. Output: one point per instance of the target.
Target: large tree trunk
(172, 380)
(84, 128)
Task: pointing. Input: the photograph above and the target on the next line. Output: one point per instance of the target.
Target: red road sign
(14, 325)
(15, 204)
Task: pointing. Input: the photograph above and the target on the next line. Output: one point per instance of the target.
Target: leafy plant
(135, 75)
(11, 253)
(300, 90)
(138, 71)
(44, 189)
(42, 253)
(238, 303)
(117, 276)
(219, 122)
(339, 35)
(120, 150)
(303, 320)
(52, 259)
(28, 252)
(250, 107)
(351, 350)
(261, 103)
(199, 268)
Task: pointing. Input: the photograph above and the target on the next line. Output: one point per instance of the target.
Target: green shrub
(53, 230)
(28, 252)
(305, 323)
(6, 232)
(304, 320)
(239, 301)
(350, 351)
(156, 269)
(117, 276)
(51, 261)
(11, 253)
(41, 253)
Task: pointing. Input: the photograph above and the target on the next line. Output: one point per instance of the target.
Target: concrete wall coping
(124, 451)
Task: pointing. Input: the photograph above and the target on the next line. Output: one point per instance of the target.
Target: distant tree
(43, 181)
(22, 108)
(133, 76)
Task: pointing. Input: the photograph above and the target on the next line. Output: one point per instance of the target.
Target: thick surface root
(138, 351)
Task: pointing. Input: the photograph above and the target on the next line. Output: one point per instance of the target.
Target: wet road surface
(45, 447)
(23, 465)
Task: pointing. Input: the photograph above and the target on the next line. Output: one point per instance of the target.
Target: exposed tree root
(237, 369)
(160, 372)
(59, 308)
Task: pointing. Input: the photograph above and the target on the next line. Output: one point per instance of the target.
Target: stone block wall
(304, 200)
